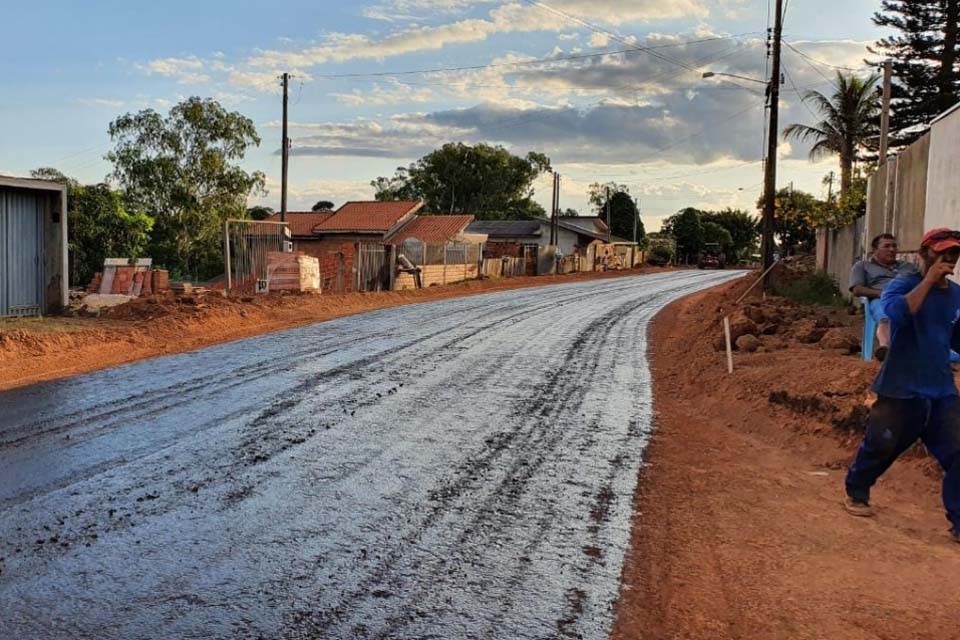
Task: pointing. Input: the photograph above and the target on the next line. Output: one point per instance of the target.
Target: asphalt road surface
(453, 469)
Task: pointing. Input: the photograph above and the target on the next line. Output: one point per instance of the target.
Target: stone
(748, 343)
(840, 339)
(806, 331)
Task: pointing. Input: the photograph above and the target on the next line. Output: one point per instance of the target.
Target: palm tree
(848, 125)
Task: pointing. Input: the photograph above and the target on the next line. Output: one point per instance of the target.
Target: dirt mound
(739, 531)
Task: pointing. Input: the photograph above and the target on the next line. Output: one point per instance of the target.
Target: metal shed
(33, 247)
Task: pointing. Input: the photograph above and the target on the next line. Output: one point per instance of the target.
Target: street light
(711, 74)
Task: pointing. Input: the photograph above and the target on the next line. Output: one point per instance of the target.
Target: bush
(816, 288)
(660, 256)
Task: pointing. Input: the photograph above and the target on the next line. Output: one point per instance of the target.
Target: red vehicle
(712, 257)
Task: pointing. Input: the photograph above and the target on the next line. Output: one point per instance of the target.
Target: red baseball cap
(941, 240)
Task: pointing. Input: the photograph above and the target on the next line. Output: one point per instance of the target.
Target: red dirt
(739, 530)
(32, 351)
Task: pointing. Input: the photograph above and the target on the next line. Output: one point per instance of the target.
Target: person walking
(869, 277)
(917, 397)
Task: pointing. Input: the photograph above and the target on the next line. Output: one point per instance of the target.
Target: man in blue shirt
(916, 393)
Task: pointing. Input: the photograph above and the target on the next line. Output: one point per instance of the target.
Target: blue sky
(68, 68)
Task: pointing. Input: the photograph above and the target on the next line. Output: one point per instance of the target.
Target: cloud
(389, 93)
(101, 102)
(512, 17)
(183, 70)
(303, 194)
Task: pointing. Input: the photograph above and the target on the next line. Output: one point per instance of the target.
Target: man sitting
(869, 277)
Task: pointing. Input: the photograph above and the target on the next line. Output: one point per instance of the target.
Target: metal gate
(21, 253)
(374, 267)
(246, 245)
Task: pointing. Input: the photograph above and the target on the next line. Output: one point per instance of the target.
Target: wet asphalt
(453, 469)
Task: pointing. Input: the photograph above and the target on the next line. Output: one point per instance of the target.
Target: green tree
(713, 233)
(835, 213)
(924, 47)
(623, 209)
(687, 229)
(98, 226)
(848, 124)
(795, 220)
(182, 171)
(259, 212)
(322, 205)
(569, 213)
(483, 180)
(743, 228)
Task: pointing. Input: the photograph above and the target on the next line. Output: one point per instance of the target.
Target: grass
(817, 288)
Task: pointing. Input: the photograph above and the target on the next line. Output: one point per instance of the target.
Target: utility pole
(553, 208)
(285, 150)
(556, 214)
(830, 179)
(885, 114)
(635, 219)
(608, 215)
(770, 179)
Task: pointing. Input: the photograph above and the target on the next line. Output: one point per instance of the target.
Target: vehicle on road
(712, 257)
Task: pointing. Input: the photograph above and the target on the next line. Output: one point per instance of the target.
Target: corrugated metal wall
(21, 253)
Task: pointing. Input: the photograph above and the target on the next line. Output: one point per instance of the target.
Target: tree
(795, 220)
(743, 228)
(259, 212)
(924, 50)
(181, 170)
(848, 125)
(98, 226)
(322, 205)
(485, 181)
(569, 213)
(835, 213)
(623, 209)
(713, 233)
(686, 228)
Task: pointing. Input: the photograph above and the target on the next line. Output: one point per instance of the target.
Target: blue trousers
(893, 427)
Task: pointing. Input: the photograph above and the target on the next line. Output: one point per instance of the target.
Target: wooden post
(444, 263)
(226, 252)
(726, 332)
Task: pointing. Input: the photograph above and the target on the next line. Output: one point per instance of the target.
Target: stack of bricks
(292, 272)
(95, 283)
(123, 280)
(160, 280)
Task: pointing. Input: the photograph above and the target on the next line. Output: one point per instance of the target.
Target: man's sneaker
(881, 353)
(858, 508)
(955, 534)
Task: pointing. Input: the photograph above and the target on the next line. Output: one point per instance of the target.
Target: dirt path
(739, 530)
(50, 348)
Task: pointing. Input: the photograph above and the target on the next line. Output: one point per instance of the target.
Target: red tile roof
(301, 223)
(367, 217)
(432, 229)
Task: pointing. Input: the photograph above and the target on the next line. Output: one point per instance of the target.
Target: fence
(505, 267)
(246, 244)
(440, 263)
(375, 267)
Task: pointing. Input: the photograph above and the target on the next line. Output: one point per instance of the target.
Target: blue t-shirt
(918, 363)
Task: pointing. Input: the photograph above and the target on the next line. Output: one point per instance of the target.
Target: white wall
(943, 175)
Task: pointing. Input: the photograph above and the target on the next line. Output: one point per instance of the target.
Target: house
(441, 248)
(349, 242)
(34, 269)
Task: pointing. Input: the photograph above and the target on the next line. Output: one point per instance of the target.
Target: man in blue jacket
(916, 393)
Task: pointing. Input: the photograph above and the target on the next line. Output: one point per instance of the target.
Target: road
(454, 469)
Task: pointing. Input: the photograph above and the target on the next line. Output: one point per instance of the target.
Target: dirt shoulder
(739, 530)
(34, 350)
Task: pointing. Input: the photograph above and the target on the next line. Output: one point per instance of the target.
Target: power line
(821, 62)
(630, 49)
(803, 100)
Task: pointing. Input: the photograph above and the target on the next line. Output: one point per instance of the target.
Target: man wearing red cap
(916, 395)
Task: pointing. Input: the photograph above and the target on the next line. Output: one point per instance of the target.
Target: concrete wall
(910, 189)
(943, 176)
(844, 251)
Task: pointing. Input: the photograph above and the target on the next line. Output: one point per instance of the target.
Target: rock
(806, 331)
(768, 329)
(823, 321)
(741, 325)
(756, 314)
(748, 343)
(840, 339)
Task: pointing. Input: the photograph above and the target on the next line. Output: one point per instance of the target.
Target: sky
(380, 83)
